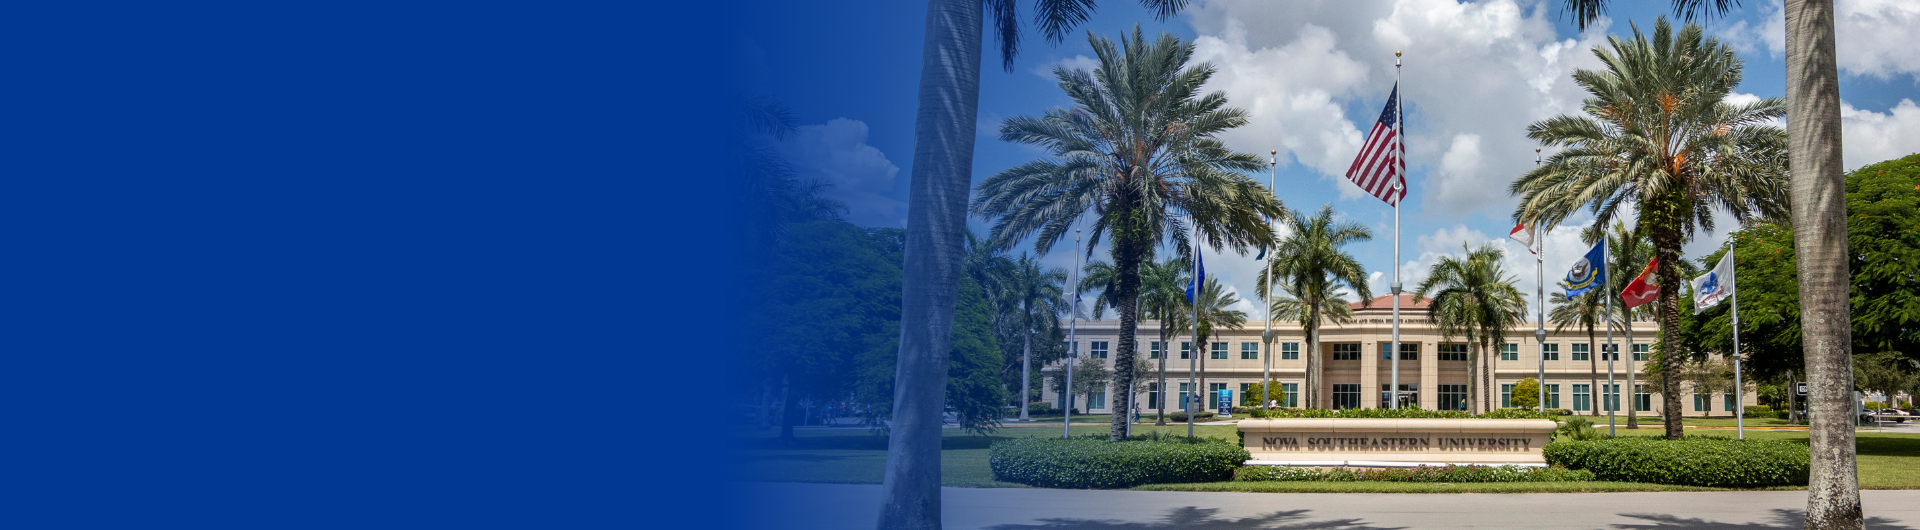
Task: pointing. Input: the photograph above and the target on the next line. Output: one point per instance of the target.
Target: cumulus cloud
(1869, 136)
(1563, 247)
(837, 153)
(1870, 36)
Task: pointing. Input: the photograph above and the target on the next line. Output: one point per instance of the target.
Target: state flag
(1644, 288)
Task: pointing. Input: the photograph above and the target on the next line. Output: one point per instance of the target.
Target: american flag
(1382, 162)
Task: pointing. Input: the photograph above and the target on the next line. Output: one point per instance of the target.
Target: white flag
(1715, 287)
(1524, 234)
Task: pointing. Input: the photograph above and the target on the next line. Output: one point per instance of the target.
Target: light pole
(1266, 338)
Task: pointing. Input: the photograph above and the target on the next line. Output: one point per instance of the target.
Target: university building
(1357, 371)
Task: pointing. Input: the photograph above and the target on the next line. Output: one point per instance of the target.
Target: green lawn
(1886, 461)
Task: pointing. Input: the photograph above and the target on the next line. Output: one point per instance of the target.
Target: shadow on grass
(1782, 519)
(1201, 519)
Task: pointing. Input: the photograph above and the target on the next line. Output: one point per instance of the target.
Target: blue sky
(1314, 75)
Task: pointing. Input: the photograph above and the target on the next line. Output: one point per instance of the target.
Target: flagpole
(1193, 353)
(1400, 120)
(1739, 404)
(1073, 345)
(1540, 329)
(1606, 260)
(1266, 338)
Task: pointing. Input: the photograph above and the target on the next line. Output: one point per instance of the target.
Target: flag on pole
(1644, 288)
(1381, 168)
(1715, 287)
(1198, 279)
(1524, 234)
(1588, 273)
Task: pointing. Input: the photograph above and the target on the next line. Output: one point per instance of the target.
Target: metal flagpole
(1400, 120)
(1540, 329)
(1739, 403)
(1073, 344)
(1606, 260)
(1266, 337)
(1193, 353)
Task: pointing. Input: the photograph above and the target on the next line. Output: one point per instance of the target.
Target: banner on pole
(1715, 286)
(1644, 288)
(1588, 273)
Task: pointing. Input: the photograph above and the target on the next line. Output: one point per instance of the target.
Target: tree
(1311, 268)
(1213, 308)
(1526, 393)
(1087, 374)
(1813, 131)
(1036, 297)
(1629, 252)
(1658, 135)
(974, 390)
(1138, 149)
(1163, 299)
(1586, 311)
(1883, 244)
(825, 293)
(1252, 397)
(1475, 298)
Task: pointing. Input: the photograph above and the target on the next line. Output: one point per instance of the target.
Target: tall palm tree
(1214, 308)
(1584, 310)
(1037, 298)
(1311, 267)
(1138, 150)
(1820, 243)
(1658, 135)
(1630, 251)
(1163, 299)
(943, 132)
(1474, 297)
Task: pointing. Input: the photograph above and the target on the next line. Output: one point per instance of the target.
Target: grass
(856, 456)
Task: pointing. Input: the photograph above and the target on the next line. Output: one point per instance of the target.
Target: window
(1153, 351)
(1733, 402)
(1581, 353)
(1553, 396)
(1153, 395)
(1702, 403)
(1639, 352)
(1099, 349)
(1582, 398)
(1611, 398)
(1346, 352)
(1386, 353)
(1097, 397)
(1409, 395)
(1506, 396)
(1249, 350)
(1510, 352)
(1453, 352)
(1642, 401)
(1219, 351)
(1609, 352)
(1550, 352)
(1289, 350)
(1245, 390)
(1292, 390)
(1213, 394)
(1185, 397)
(1409, 351)
(1453, 397)
(1346, 396)
(1186, 348)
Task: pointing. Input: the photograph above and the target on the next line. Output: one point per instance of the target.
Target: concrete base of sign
(1381, 442)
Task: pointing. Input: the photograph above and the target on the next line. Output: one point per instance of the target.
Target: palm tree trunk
(1199, 388)
(1486, 379)
(1165, 348)
(1473, 387)
(1820, 242)
(1126, 265)
(1313, 358)
(944, 128)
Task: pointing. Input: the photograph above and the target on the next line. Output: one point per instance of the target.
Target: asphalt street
(789, 506)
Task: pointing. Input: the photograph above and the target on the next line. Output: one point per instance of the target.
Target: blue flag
(1589, 272)
(1198, 278)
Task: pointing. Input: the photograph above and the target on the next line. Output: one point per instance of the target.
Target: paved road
(836, 506)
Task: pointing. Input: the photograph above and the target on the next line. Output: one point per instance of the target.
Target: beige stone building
(1433, 369)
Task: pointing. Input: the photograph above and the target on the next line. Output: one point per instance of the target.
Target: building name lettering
(1396, 443)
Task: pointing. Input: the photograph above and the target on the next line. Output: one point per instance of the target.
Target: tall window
(1453, 397)
(1186, 348)
(1244, 391)
(1550, 352)
(1289, 350)
(1609, 352)
(1219, 350)
(1582, 398)
(1099, 349)
(1611, 400)
(1186, 401)
(1249, 350)
(1581, 353)
(1385, 352)
(1453, 352)
(1553, 396)
(1702, 403)
(1153, 395)
(1506, 396)
(1642, 401)
(1639, 352)
(1153, 351)
(1409, 351)
(1293, 394)
(1510, 352)
(1346, 396)
(1408, 395)
(1213, 394)
(1097, 397)
(1346, 352)
(1733, 402)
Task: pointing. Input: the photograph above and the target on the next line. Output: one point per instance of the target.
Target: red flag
(1524, 234)
(1644, 288)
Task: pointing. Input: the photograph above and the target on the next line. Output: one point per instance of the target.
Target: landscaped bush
(1560, 412)
(1182, 416)
(1695, 461)
(1415, 474)
(1406, 413)
(1578, 428)
(1757, 411)
(1098, 463)
(1041, 407)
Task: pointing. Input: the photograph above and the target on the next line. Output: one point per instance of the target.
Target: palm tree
(1820, 243)
(1036, 297)
(1214, 309)
(1163, 299)
(1630, 250)
(1658, 135)
(943, 133)
(1137, 150)
(1311, 267)
(1584, 310)
(1474, 297)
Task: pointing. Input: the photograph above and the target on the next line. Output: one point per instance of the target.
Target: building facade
(1358, 370)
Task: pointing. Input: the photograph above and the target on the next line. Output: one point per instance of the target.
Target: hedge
(1415, 474)
(1182, 416)
(1503, 414)
(1694, 461)
(1098, 463)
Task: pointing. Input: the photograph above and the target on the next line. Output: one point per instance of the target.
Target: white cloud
(1871, 37)
(837, 153)
(1868, 137)
(1077, 62)
(1563, 247)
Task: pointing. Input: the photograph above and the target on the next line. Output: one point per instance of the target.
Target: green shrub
(1781, 414)
(1041, 407)
(1415, 474)
(1182, 416)
(1757, 411)
(1098, 463)
(1560, 412)
(1695, 461)
(1406, 413)
(1578, 428)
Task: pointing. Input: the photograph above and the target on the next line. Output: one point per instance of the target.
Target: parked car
(1896, 415)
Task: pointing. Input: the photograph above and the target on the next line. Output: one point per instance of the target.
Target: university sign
(1396, 442)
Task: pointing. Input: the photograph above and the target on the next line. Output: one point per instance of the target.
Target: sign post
(1226, 403)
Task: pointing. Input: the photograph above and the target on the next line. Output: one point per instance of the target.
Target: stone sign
(1393, 442)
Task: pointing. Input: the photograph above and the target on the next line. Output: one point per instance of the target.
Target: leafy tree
(1251, 398)
(1138, 149)
(974, 389)
(1087, 374)
(1475, 298)
(824, 295)
(1657, 134)
(1883, 245)
(1526, 393)
(1311, 268)
(1214, 311)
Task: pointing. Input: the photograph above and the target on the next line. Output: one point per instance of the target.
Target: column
(1429, 375)
(1370, 375)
